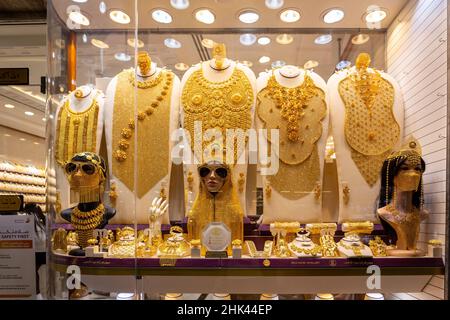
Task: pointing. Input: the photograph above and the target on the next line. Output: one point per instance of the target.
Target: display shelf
(251, 275)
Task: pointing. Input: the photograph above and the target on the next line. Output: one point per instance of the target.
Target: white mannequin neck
(214, 75)
(151, 72)
(289, 76)
(226, 64)
(81, 104)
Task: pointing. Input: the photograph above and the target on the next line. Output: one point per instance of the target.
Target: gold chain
(403, 218)
(355, 248)
(313, 251)
(144, 84)
(88, 220)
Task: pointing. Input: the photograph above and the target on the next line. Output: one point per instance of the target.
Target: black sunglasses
(87, 168)
(205, 171)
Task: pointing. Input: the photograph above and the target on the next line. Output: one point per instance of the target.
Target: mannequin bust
(351, 246)
(401, 199)
(367, 114)
(86, 173)
(216, 202)
(294, 101)
(302, 246)
(218, 94)
(78, 128)
(156, 91)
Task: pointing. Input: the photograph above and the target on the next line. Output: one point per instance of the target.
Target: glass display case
(245, 147)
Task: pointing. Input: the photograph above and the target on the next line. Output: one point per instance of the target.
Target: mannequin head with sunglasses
(213, 176)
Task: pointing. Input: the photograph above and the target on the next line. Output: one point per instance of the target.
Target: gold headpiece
(363, 61)
(411, 149)
(219, 53)
(144, 62)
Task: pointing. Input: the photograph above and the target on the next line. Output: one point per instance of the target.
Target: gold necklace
(146, 83)
(378, 247)
(403, 217)
(76, 131)
(313, 251)
(87, 220)
(355, 248)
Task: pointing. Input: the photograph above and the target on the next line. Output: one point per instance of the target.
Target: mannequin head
(363, 61)
(213, 176)
(144, 62)
(86, 173)
(402, 172)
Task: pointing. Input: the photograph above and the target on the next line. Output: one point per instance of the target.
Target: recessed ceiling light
(29, 113)
(374, 16)
(161, 16)
(205, 16)
(284, 38)
(9, 106)
(121, 56)
(360, 38)
(290, 15)
(84, 37)
(80, 1)
(343, 64)
(247, 39)
(274, 4)
(181, 66)
(36, 143)
(310, 64)
(278, 64)
(179, 4)
(23, 139)
(132, 43)
(172, 43)
(7, 135)
(208, 43)
(43, 119)
(263, 41)
(99, 44)
(247, 63)
(333, 15)
(79, 18)
(102, 7)
(323, 39)
(248, 16)
(119, 16)
(264, 59)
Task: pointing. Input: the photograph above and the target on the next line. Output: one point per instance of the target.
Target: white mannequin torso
(78, 105)
(344, 247)
(307, 208)
(126, 201)
(362, 202)
(213, 75)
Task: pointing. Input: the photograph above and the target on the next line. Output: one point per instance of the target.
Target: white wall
(416, 54)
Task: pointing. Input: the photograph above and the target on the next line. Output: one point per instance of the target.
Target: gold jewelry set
(88, 220)
(378, 247)
(313, 251)
(298, 113)
(153, 120)
(356, 247)
(75, 131)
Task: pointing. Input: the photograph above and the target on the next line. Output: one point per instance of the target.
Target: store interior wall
(417, 58)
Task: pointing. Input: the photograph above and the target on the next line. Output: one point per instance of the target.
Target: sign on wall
(14, 76)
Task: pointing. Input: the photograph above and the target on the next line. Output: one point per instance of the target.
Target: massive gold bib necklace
(75, 131)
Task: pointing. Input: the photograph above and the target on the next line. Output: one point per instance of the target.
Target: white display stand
(362, 203)
(239, 169)
(307, 208)
(129, 207)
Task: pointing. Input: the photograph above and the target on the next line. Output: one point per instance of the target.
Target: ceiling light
(80, 1)
(121, 56)
(29, 113)
(22, 139)
(99, 44)
(310, 64)
(43, 119)
(360, 38)
(274, 4)
(119, 17)
(181, 66)
(208, 43)
(247, 39)
(7, 135)
(132, 43)
(102, 7)
(9, 106)
(323, 39)
(205, 16)
(264, 59)
(79, 18)
(284, 38)
(343, 64)
(84, 37)
(172, 43)
(290, 15)
(263, 41)
(247, 63)
(36, 143)
(161, 16)
(375, 16)
(125, 296)
(179, 4)
(278, 64)
(333, 16)
(248, 16)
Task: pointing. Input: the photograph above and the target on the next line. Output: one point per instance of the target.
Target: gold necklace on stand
(313, 251)
(356, 248)
(403, 217)
(87, 220)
